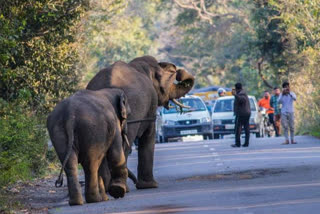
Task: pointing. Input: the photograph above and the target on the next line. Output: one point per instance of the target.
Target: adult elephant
(147, 84)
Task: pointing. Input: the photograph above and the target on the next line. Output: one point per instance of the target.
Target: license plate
(229, 126)
(193, 131)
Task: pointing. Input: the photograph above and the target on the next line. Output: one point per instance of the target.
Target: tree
(38, 53)
(38, 58)
(301, 19)
(112, 31)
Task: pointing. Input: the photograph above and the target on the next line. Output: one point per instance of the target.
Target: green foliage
(38, 67)
(112, 31)
(217, 53)
(37, 50)
(265, 43)
(23, 144)
(301, 19)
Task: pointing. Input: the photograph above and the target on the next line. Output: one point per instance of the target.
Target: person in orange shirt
(265, 103)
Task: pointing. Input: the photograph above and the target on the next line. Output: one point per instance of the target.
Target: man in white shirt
(287, 98)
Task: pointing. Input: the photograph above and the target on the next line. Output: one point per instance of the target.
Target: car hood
(222, 115)
(228, 115)
(195, 115)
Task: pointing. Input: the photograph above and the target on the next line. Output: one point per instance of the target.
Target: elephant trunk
(184, 85)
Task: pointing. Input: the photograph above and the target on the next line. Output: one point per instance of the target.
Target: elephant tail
(132, 176)
(69, 129)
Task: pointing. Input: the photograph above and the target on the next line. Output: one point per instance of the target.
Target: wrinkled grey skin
(147, 84)
(89, 125)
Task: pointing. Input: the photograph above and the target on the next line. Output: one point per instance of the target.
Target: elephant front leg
(145, 160)
(119, 172)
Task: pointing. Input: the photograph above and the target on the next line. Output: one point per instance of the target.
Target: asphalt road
(212, 177)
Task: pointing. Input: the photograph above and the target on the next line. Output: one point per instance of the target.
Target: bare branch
(186, 6)
(261, 75)
(203, 13)
(194, 6)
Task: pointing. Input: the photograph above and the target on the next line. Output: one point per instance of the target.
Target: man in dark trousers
(242, 112)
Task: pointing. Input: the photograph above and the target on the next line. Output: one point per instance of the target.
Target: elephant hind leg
(74, 188)
(90, 167)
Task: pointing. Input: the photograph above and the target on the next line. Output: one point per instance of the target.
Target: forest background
(51, 48)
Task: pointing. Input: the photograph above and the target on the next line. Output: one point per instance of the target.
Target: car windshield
(252, 105)
(226, 105)
(195, 104)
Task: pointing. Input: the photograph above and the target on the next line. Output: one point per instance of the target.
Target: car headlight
(169, 122)
(205, 120)
(217, 122)
(252, 120)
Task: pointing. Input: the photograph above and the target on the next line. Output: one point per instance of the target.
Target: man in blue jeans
(242, 111)
(287, 98)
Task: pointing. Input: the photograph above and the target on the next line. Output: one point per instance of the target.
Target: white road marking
(272, 158)
(181, 164)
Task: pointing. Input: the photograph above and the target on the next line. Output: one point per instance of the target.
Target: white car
(223, 117)
(193, 121)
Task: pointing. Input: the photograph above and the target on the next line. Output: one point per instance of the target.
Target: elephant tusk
(125, 139)
(179, 104)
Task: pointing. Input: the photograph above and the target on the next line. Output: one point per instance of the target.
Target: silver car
(223, 117)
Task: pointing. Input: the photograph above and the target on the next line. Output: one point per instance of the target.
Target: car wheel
(258, 134)
(161, 139)
(207, 136)
(165, 139)
(216, 136)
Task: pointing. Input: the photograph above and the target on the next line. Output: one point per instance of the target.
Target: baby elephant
(87, 128)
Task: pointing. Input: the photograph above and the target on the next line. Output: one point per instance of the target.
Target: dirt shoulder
(35, 196)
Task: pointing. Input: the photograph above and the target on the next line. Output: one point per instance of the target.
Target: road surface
(212, 177)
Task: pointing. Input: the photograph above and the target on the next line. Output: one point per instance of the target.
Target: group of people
(285, 114)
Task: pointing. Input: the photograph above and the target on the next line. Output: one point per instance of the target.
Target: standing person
(242, 112)
(286, 98)
(265, 103)
(277, 112)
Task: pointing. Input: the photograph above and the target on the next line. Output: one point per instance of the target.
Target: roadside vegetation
(49, 49)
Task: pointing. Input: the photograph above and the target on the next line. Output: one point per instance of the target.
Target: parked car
(172, 123)
(223, 117)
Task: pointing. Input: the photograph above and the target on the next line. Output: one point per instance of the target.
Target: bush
(23, 144)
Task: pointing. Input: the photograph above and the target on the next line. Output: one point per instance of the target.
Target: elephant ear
(167, 67)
